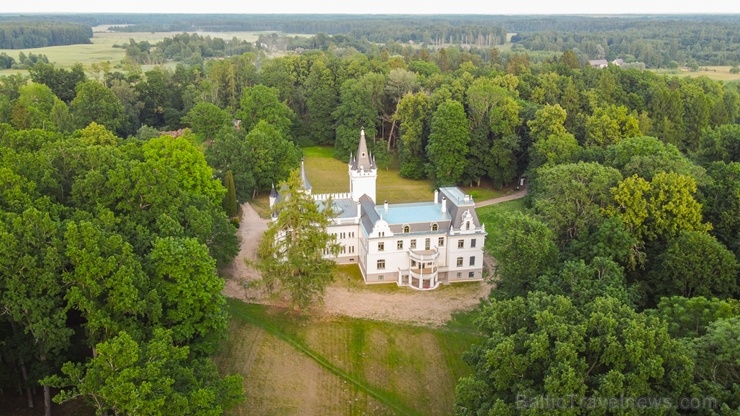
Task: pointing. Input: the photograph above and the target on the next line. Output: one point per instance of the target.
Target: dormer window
(362, 154)
(435, 227)
(406, 229)
(467, 225)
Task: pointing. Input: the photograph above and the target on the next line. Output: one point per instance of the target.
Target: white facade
(420, 245)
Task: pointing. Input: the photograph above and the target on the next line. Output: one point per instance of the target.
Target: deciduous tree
(544, 346)
(448, 143)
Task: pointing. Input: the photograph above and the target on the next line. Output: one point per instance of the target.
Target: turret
(363, 171)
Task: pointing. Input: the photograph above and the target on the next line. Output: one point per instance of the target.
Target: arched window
(467, 225)
(406, 229)
(435, 227)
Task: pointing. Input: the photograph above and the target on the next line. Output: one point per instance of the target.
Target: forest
(621, 277)
(34, 34)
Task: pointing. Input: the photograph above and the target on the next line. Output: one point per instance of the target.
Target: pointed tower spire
(304, 178)
(362, 159)
(273, 195)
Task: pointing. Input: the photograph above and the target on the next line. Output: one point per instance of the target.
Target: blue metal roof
(412, 213)
(342, 208)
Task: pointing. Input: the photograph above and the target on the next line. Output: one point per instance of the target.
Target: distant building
(420, 245)
(598, 63)
(618, 62)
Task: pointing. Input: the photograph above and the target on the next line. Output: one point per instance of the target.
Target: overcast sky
(374, 6)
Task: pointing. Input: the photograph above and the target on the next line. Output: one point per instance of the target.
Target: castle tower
(363, 172)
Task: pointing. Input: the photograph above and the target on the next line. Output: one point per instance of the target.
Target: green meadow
(342, 366)
(102, 50)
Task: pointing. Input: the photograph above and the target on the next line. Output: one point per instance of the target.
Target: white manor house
(420, 245)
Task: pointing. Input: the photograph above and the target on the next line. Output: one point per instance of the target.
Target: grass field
(328, 175)
(102, 50)
(493, 216)
(343, 366)
(717, 73)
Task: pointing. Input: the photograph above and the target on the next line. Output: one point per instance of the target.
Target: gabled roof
(369, 216)
(457, 205)
(362, 159)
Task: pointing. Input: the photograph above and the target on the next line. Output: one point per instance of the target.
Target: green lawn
(329, 175)
(492, 216)
(343, 366)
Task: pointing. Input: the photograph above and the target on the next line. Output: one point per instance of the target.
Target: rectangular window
(381, 246)
(381, 277)
(399, 244)
(459, 275)
(441, 242)
(351, 249)
(472, 260)
(472, 243)
(459, 261)
(471, 274)
(427, 244)
(413, 243)
(381, 264)
(413, 263)
(460, 243)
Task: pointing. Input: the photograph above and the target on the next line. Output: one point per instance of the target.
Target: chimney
(436, 195)
(444, 204)
(466, 198)
(385, 205)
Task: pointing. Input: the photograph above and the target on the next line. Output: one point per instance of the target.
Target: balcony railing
(425, 273)
(424, 255)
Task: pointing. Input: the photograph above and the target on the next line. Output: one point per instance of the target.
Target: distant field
(717, 73)
(343, 366)
(102, 49)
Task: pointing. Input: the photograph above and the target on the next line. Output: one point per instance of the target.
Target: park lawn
(493, 215)
(343, 366)
(329, 175)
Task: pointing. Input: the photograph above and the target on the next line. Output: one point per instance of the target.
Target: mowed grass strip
(380, 367)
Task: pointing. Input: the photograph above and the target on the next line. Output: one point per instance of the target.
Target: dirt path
(511, 197)
(432, 308)
(250, 234)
